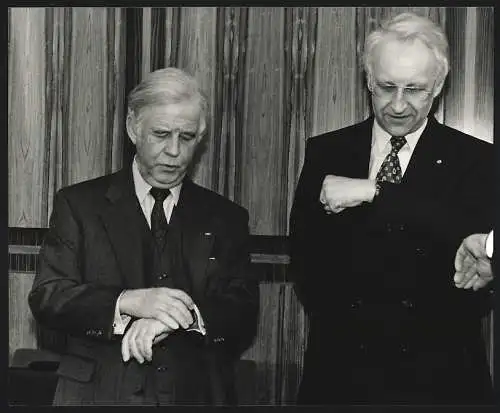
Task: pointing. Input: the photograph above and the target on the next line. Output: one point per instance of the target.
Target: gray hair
(408, 27)
(167, 86)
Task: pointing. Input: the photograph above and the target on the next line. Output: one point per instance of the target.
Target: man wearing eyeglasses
(379, 212)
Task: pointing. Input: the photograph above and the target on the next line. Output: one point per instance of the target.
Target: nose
(398, 102)
(172, 145)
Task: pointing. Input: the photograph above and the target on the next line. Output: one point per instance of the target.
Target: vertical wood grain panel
(263, 189)
(292, 344)
(197, 55)
(147, 31)
(484, 74)
(158, 37)
(264, 351)
(88, 142)
(22, 328)
(335, 70)
(26, 101)
(300, 47)
(116, 27)
(228, 106)
(172, 33)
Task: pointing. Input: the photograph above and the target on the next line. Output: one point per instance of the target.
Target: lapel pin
(439, 161)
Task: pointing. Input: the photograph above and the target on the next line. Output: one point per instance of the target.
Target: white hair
(407, 27)
(167, 86)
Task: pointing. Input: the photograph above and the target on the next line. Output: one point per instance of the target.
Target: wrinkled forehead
(184, 115)
(404, 60)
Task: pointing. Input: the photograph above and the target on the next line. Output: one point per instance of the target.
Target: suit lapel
(357, 155)
(430, 157)
(197, 235)
(124, 223)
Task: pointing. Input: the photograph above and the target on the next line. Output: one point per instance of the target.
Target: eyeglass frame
(395, 89)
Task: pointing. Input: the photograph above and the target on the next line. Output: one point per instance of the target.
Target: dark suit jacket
(93, 251)
(386, 322)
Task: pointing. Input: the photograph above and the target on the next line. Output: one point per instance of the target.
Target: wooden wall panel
(91, 54)
(66, 91)
(228, 119)
(336, 71)
(299, 90)
(22, 328)
(484, 71)
(262, 189)
(27, 122)
(197, 55)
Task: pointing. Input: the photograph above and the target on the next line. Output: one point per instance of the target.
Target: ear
(438, 87)
(369, 81)
(132, 127)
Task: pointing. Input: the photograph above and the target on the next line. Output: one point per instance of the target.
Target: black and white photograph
(251, 206)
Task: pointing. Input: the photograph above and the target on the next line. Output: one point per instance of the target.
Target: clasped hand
(340, 192)
(472, 265)
(159, 311)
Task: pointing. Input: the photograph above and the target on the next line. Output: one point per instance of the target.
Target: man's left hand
(472, 265)
(139, 339)
(339, 192)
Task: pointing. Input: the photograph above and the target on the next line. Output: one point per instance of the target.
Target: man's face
(166, 138)
(403, 85)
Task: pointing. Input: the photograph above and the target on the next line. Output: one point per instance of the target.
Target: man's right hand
(170, 306)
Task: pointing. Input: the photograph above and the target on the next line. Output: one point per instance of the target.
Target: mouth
(168, 168)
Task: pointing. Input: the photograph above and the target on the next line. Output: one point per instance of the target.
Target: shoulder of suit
(90, 187)
(339, 136)
(219, 202)
(460, 138)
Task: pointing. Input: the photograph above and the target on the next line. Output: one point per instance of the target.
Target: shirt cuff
(489, 244)
(120, 321)
(198, 324)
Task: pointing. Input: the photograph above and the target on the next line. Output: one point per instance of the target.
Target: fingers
(125, 348)
(182, 296)
(133, 346)
(460, 257)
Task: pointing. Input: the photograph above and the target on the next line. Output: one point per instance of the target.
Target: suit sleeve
(306, 228)
(230, 306)
(60, 298)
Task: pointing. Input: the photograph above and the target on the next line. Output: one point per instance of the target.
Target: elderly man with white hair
(380, 210)
(147, 272)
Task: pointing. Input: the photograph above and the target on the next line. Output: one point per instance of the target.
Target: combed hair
(407, 27)
(167, 86)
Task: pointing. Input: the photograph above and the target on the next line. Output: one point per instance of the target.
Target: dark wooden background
(274, 76)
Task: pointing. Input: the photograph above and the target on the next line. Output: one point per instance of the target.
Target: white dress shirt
(381, 147)
(147, 201)
(489, 245)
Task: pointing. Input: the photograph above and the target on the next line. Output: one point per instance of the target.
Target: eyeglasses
(387, 90)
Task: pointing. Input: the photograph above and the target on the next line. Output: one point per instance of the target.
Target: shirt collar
(142, 187)
(380, 138)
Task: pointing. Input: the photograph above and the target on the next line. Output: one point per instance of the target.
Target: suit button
(408, 304)
(162, 276)
(404, 349)
(161, 368)
(402, 227)
(420, 251)
(388, 228)
(356, 303)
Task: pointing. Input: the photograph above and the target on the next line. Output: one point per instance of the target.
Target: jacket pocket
(78, 368)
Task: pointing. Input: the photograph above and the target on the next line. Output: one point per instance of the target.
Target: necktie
(390, 170)
(159, 224)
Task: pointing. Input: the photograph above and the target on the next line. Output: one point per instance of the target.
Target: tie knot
(159, 194)
(398, 142)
